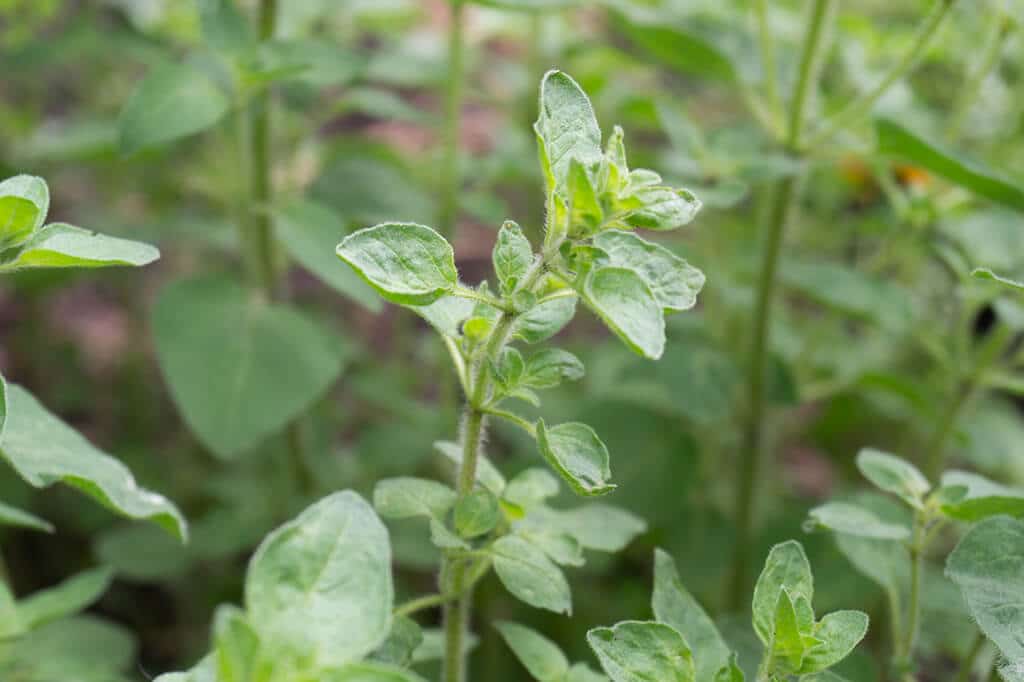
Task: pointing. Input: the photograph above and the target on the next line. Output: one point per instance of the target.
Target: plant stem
(262, 264)
(453, 571)
(904, 657)
(862, 105)
(782, 204)
(994, 42)
(972, 656)
(768, 66)
(451, 177)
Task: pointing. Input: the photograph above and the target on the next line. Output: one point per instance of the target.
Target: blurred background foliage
(875, 323)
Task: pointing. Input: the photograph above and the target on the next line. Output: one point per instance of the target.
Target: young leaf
(61, 455)
(530, 576)
(538, 654)
(81, 648)
(561, 547)
(896, 140)
(531, 487)
(65, 246)
(622, 299)
(225, 368)
(545, 319)
(789, 642)
(840, 632)
(309, 231)
(894, 475)
(585, 213)
(403, 640)
(317, 575)
(566, 126)
(24, 203)
(12, 516)
(405, 262)
(576, 453)
(633, 651)
(843, 517)
(476, 514)
(675, 606)
(661, 208)
(549, 367)
(730, 672)
(987, 567)
(224, 27)
(674, 282)
(173, 101)
(402, 498)
(512, 256)
(983, 498)
(786, 567)
(987, 274)
(236, 645)
(597, 526)
(68, 598)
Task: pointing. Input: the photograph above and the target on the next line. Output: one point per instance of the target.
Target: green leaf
(576, 453)
(539, 655)
(309, 231)
(988, 567)
(634, 651)
(661, 208)
(786, 567)
(509, 367)
(624, 302)
(896, 140)
(545, 319)
(597, 526)
(476, 514)
(983, 498)
(512, 256)
(674, 282)
(486, 473)
(10, 619)
(68, 598)
(12, 516)
(172, 101)
(843, 517)
(236, 645)
(224, 27)
(82, 649)
(405, 497)
(317, 575)
(531, 487)
(530, 576)
(204, 671)
(851, 291)
(566, 126)
(549, 367)
(730, 672)
(581, 672)
(840, 632)
(403, 639)
(447, 314)
(24, 203)
(560, 547)
(59, 245)
(885, 562)
(44, 450)
(674, 606)
(241, 369)
(586, 216)
(894, 475)
(683, 51)
(788, 643)
(369, 672)
(442, 537)
(987, 274)
(405, 262)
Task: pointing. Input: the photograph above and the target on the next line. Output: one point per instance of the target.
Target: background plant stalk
(451, 177)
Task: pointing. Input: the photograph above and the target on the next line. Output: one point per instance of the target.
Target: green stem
(778, 216)
(453, 570)
(991, 349)
(768, 66)
(994, 42)
(917, 549)
(451, 180)
(972, 657)
(862, 105)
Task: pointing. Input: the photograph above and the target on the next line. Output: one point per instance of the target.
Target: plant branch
(862, 105)
(514, 418)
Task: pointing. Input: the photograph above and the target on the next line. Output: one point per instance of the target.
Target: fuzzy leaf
(530, 576)
(242, 368)
(576, 453)
(512, 256)
(549, 367)
(894, 475)
(623, 300)
(316, 575)
(633, 651)
(566, 126)
(236, 645)
(531, 487)
(68, 598)
(662, 208)
(403, 640)
(786, 567)
(983, 498)
(44, 450)
(486, 473)
(405, 262)
(674, 282)
(476, 514)
(851, 519)
(369, 672)
(597, 526)
(545, 319)
(171, 102)
(65, 246)
(840, 632)
(538, 654)
(405, 497)
(24, 203)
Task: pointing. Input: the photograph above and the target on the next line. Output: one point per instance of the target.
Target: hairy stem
(451, 177)
(905, 654)
(262, 259)
(862, 105)
(782, 203)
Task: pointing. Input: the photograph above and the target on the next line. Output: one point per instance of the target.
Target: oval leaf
(674, 282)
(530, 576)
(538, 654)
(786, 567)
(566, 126)
(633, 651)
(622, 299)
(578, 455)
(65, 246)
(24, 203)
(842, 517)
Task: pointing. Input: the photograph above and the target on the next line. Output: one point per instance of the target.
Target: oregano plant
(40, 634)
